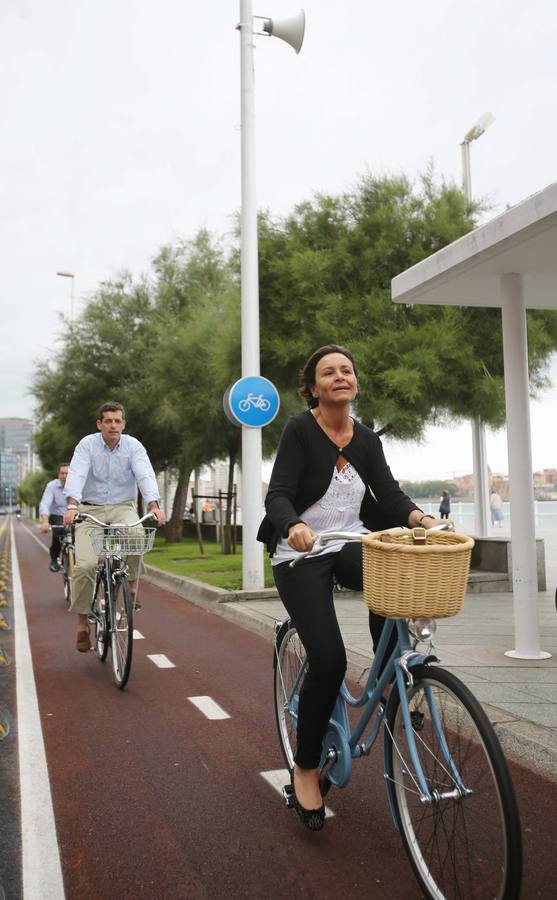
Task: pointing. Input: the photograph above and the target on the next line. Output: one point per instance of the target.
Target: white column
(252, 506)
(523, 528)
(481, 487)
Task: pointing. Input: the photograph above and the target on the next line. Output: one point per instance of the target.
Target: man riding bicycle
(51, 510)
(106, 470)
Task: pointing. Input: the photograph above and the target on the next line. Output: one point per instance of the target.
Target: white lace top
(337, 510)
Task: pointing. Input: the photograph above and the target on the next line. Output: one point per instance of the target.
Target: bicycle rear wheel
(463, 845)
(100, 619)
(122, 631)
(289, 669)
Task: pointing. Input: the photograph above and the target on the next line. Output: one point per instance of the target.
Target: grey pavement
(519, 696)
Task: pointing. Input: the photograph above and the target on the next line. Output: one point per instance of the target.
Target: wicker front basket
(404, 580)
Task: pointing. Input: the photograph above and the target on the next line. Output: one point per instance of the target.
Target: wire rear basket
(416, 573)
(120, 541)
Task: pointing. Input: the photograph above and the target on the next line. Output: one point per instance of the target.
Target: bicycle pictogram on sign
(252, 401)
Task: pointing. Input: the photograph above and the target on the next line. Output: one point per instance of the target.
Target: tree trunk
(174, 526)
(233, 448)
(227, 542)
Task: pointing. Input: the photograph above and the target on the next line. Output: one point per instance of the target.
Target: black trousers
(55, 545)
(307, 593)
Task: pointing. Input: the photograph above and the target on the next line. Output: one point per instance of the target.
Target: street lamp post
(481, 480)
(253, 577)
(72, 276)
(291, 31)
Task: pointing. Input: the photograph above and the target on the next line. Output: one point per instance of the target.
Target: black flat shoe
(314, 819)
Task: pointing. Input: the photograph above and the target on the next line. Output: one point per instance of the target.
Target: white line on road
(137, 636)
(277, 778)
(161, 660)
(42, 872)
(209, 708)
(35, 538)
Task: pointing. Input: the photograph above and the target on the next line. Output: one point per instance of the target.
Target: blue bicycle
(449, 789)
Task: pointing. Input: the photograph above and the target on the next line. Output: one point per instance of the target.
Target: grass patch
(214, 567)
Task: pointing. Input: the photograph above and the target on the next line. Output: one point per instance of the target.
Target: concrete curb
(527, 743)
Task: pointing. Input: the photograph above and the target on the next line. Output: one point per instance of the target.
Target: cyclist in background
(330, 474)
(106, 470)
(51, 510)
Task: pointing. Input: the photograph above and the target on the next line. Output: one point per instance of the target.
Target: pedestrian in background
(496, 507)
(445, 505)
(51, 510)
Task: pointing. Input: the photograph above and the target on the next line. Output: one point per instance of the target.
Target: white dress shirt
(103, 476)
(53, 501)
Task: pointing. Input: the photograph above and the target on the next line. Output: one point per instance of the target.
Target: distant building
(16, 434)
(545, 478)
(9, 478)
(465, 484)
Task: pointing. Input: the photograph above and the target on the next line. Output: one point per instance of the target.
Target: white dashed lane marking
(209, 708)
(35, 538)
(161, 660)
(137, 636)
(277, 778)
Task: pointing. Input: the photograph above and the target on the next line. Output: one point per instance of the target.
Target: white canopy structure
(510, 262)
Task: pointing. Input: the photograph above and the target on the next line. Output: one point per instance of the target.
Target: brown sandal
(83, 643)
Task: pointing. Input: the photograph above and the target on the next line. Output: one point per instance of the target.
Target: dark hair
(62, 465)
(110, 407)
(307, 373)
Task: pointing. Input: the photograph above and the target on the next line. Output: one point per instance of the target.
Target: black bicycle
(67, 557)
(111, 604)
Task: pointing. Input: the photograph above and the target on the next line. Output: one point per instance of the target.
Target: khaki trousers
(83, 576)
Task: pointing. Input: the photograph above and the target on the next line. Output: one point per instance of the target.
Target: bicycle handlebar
(82, 516)
(324, 537)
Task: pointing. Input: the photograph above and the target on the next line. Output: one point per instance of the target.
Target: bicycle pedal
(288, 795)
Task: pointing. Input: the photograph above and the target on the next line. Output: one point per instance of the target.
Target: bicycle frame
(111, 566)
(347, 742)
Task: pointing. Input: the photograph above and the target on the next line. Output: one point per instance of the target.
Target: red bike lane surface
(154, 800)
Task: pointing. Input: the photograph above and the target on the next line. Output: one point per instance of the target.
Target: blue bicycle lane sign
(252, 401)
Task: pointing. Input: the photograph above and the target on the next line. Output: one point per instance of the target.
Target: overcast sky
(120, 132)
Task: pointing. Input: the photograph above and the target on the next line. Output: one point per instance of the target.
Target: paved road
(154, 800)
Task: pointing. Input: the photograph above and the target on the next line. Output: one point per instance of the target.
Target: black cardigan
(303, 470)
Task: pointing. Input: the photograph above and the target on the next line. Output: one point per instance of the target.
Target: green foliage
(326, 272)
(167, 345)
(32, 487)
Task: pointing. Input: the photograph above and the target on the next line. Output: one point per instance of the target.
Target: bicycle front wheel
(122, 631)
(289, 671)
(68, 560)
(100, 618)
(466, 843)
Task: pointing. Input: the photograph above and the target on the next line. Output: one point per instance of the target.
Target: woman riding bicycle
(330, 474)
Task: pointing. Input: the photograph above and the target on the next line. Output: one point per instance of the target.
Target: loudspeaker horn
(290, 30)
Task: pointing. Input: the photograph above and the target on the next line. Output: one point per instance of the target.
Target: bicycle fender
(280, 630)
(423, 660)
